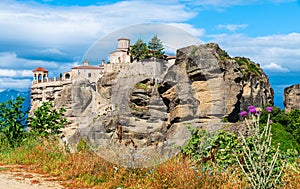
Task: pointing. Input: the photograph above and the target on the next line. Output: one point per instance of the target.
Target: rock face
(292, 97)
(137, 113)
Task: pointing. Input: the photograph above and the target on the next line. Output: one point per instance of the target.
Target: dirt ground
(14, 177)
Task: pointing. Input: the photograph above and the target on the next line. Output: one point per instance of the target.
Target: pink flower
(251, 107)
(271, 121)
(252, 111)
(269, 109)
(243, 114)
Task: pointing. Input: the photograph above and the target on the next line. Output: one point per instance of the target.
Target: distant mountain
(10, 94)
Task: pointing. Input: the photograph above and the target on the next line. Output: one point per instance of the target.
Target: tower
(123, 44)
(40, 74)
(122, 54)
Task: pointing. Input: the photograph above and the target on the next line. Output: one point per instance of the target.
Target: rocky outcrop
(50, 91)
(257, 90)
(292, 97)
(137, 113)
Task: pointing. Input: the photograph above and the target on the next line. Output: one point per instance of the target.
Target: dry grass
(87, 170)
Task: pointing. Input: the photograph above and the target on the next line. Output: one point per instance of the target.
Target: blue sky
(56, 34)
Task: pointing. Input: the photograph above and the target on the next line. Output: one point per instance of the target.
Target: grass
(248, 67)
(85, 169)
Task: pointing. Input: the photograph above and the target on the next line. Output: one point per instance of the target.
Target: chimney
(86, 63)
(103, 61)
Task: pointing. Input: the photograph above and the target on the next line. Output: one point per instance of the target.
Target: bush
(286, 139)
(13, 122)
(285, 128)
(47, 120)
(293, 125)
(217, 148)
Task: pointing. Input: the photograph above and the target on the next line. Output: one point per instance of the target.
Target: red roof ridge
(87, 67)
(40, 69)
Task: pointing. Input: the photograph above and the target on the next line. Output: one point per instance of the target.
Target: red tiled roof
(87, 67)
(40, 69)
(171, 57)
(123, 38)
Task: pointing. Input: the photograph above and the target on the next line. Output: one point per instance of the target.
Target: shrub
(293, 125)
(286, 139)
(47, 120)
(210, 148)
(13, 121)
(286, 127)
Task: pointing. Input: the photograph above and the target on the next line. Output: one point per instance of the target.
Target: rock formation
(292, 97)
(136, 114)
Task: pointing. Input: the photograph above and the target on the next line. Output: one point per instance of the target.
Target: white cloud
(52, 51)
(13, 66)
(189, 28)
(14, 83)
(228, 3)
(10, 60)
(57, 26)
(220, 3)
(15, 73)
(273, 67)
(283, 49)
(232, 27)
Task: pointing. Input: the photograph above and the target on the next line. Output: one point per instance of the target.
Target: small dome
(40, 69)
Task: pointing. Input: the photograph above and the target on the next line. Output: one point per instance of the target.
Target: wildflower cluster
(258, 162)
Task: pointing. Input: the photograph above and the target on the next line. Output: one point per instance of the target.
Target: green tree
(13, 121)
(156, 47)
(293, 125)
(47, 120)
(139, 51)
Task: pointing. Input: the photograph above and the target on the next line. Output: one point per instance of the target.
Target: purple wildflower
(269, 109)
(252, 111)
(251, 107)
(271, 121)
(243, 114)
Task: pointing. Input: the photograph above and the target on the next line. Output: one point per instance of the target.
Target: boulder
(292, 97)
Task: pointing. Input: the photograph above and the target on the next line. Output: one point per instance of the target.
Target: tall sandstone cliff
(140, 110)
(292, 97)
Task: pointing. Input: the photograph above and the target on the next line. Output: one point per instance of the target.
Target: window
(89, 75)
(67, 76)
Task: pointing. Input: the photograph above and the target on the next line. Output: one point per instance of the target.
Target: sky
(56, 34)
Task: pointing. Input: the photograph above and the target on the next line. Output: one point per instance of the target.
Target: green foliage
(252, 68)
(286, 139)
(82, 145)
(241, 61)
(224, 54)
(293, 125)
(143, 86)
(47, 120)
(139, 51)
(286, 129)
(156, 47)
(248, 67)
(12, 121)
(198, 145)
(218, 148)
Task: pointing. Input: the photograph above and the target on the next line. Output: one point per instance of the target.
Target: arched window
(40, 77)
(67, 76)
